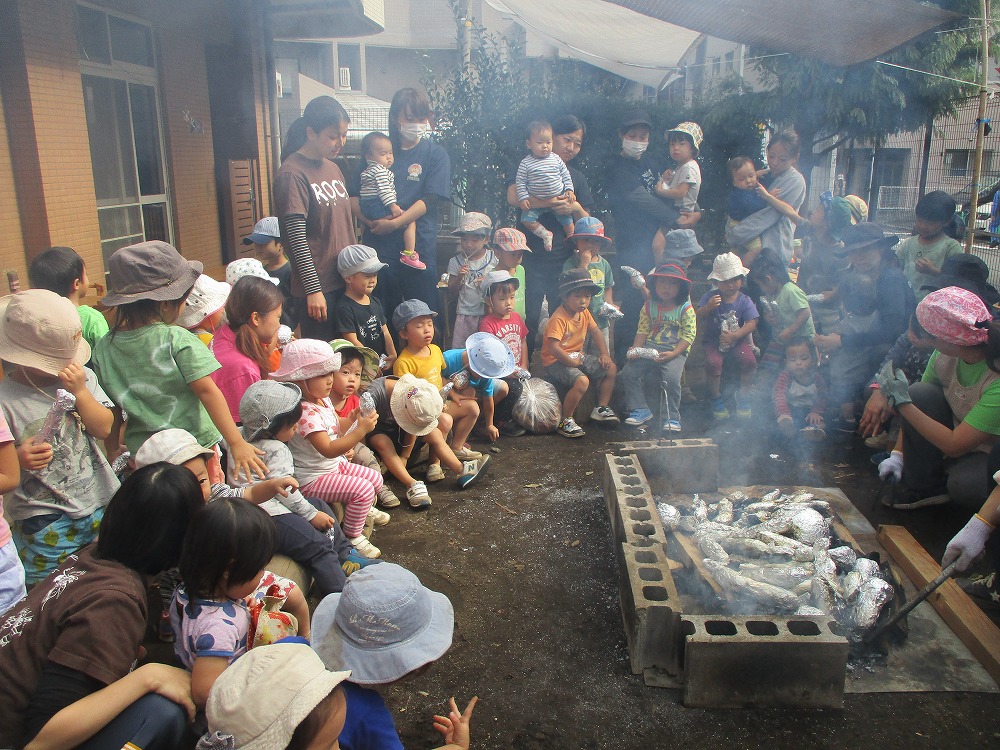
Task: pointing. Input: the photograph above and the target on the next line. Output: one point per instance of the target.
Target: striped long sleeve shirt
(378, 182)
(542, 178)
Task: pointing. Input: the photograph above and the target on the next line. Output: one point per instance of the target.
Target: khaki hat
(208, 297)
(42, 330)
(149, 270)
(474, 222)
(416, 405)
(175, 446)
(370, 359)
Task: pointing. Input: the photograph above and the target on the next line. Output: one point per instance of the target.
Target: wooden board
(961, 614)
(694, 556)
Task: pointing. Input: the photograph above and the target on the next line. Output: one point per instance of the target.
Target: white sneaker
(365, 548)
(603, 414)
(417, 496)
(467, 454)
(387, 498)
(378, 517)
(435, 473)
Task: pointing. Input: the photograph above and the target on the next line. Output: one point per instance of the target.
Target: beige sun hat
(416, 405)
(42, 330)
(207, 297)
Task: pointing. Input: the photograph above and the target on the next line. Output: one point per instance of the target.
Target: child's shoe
(638, 417)
(471, 471)
(435, 473)
(412, 260)
(467, 454)
(603, 414)
(743, 407)
(672, 425)
(356, 562)
(417, 496)
(512, 429)
(569, 428)
(546, 236)
(387, 498)
(719, 410)
(813, 434)
(164, 631)
(378, 517)
(365, 548)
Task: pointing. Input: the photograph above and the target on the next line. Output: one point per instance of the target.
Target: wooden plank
(693, 556)
(959, 612)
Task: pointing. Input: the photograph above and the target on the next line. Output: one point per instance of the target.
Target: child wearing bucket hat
(485, 360)
(510, 245)
(473, 260)
(65, 481)
(383, 627)
(728, 318)
(589, 242)
(542, 175)
(158, 372)
(562, 353)
(667, 323)
(202, 313)
(503, 321)
(409, 408)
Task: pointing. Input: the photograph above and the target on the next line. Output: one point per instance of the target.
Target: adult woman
(422, 172)
(314, 211)
(541, 268)
(951, 418)
(66, 650)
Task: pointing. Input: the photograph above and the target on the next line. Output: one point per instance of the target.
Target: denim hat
(489, 357)
(358, 259)
(592, 227)
(247, 267)
(302, 359)
(174, 445)
(682, 243)
(576, 278)
(383, 625)
(149, 270)
(208, 297)
(265, 401)
(409, 309)
(510, 240)
(41, 329)
(264, 231)
(476, 223)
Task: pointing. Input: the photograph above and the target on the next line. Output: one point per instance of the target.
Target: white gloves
(891, 469)
(968, 544)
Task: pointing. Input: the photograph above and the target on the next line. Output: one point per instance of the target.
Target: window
(716, 66)
(730, 57)
(956, 162)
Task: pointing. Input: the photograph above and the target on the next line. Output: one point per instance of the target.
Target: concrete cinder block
(629, 502)
(763, 661)
(679, 465)
(650, 612)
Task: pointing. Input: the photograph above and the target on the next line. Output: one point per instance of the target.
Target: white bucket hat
(302, 359)
(416, 405)
(206, 298)
(489, 357)
(247, 267)
(175, 446)
(727, 266)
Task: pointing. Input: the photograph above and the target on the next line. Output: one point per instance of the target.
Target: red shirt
(351, 403)
(512, 331)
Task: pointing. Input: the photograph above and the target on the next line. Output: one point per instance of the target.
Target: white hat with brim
(41, 330)
(416, 405)
(489, 357)
(174, 446)
(302, 359)
(207, 297)
(727, 266)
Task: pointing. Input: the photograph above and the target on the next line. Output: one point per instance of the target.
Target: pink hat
(956, 315)
(302, 359)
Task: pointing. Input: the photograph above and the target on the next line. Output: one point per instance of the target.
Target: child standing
(730, 318)
(668, 324)
(62, 270)
(790, 316)
(562, 353)
(503, 321)
(157, 372)
(923, 254)
(321, 440)
(359, 316)
(800, 393)
(510, 245)
(378, 193)
(65, 481)
(267, 248)
(682, 183)
(589, 242)
(542, 174)
(466, 270)
(202, 313)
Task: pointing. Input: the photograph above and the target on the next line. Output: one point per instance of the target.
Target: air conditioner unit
(345, 78)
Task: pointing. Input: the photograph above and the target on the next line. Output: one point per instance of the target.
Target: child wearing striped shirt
(542, 175)
(378, 193)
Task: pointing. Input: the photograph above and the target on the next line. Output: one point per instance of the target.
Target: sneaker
(467, 454)
(982, 587)
(569, 428)
(356, 562)
(164, 631)
(417, 496)
(638, 417)
(881, 442)
(719, 410)
(512, 429)
(365, 548)
(603, 414)
(845, 426)
(471, 471)
(743, 408)
(387, 498)
(546, 240)
(903, 498)
(412, 260)
(435, 473)
(378, 517)
(671, 425)
(813, 434)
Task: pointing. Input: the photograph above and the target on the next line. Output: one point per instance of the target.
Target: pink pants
(741, 352)
(354, 486)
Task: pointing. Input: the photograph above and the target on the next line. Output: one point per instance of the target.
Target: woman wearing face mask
(423, 180)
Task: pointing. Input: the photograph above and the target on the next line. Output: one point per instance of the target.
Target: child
(589, 242)
(510, 245)
(385, 627)
(202, 313)
(65, 481)
(727, 306)
(247, 267)
(800, 393)
(267, 248)
(62, 270)
(668, 324)
(378, 193)
(504, 322)
(11, 569)
(359, 316)
(244, 345)
(744, 199)
(851, 365)
(473, 261)
(542, 174)
(408, 408)
(222, 564)
(157, 372)
(415, 322)
(790, 316)
(563, 359)
(923, 254)
(321, 439)
(683, 183)
(486, 360)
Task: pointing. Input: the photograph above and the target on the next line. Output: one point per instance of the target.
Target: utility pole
(977, 167)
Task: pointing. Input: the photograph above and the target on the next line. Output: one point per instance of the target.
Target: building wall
(11, 253)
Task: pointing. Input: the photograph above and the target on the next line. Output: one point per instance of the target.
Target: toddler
(503, 321)
(667, 323)
(589, 242)
(474, 260)
(790, 315)
(851, 364)
(563, 359)
(267, 248)
(62, 270)
(682, 183)
(542, 174)
(485, 360)
(359, 316)
(510, 245)
(731, 319)
(378, 193)
(800, 393)
(923, 254)
(203, 308)
(65, 480)
(749, 196)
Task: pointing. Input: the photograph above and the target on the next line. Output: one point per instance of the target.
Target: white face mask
(414, 131)
(634, 149)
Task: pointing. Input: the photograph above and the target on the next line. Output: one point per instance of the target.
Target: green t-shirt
(910, 250)
(985, 415)
(95, 326)
(519, 294)
(600, 274)
(789, 302)
(147, 373)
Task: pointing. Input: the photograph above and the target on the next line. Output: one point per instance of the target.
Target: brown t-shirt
(89, 615)
(316, 190)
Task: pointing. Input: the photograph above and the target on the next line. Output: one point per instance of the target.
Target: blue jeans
(151, 723)
(313, 549)
(635, 373)
(533, 214)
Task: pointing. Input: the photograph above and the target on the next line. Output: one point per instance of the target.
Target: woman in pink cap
(951, 418)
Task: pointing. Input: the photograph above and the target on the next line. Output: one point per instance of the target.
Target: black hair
(252, 294)
(371, 140)
(801, 341)
(537, 126)
(412, 101)
(229, 540)
(936, 206)
(56, 269)
(918, 330)
(319, 114)
(790, 140)
(738, 162)
(502, 286)
(142, 312)
(858, 294)
(145, 522)
(568, 124)
(769, 263)
(352, 355)
(281, 421)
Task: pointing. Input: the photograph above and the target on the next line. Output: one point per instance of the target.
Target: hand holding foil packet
(638, 280)
(641, 352)
(65, 402)
(367, 407)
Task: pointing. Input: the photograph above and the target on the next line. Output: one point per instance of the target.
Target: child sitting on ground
(729, 318)
(851, 365)
(563, 359)
(359, 316)
(466, 270)
(789, 316)
(923, 254)
(503, 321)
(62, 270)
(321, 441)
(410, 408)
(667, 323)
(682, 183)
(510, 245)
(542, 175)
(485, 360)
(203, 308)
(800, 393)
(65, 481)
(267, 248)
(378, 193)
(589, 242)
